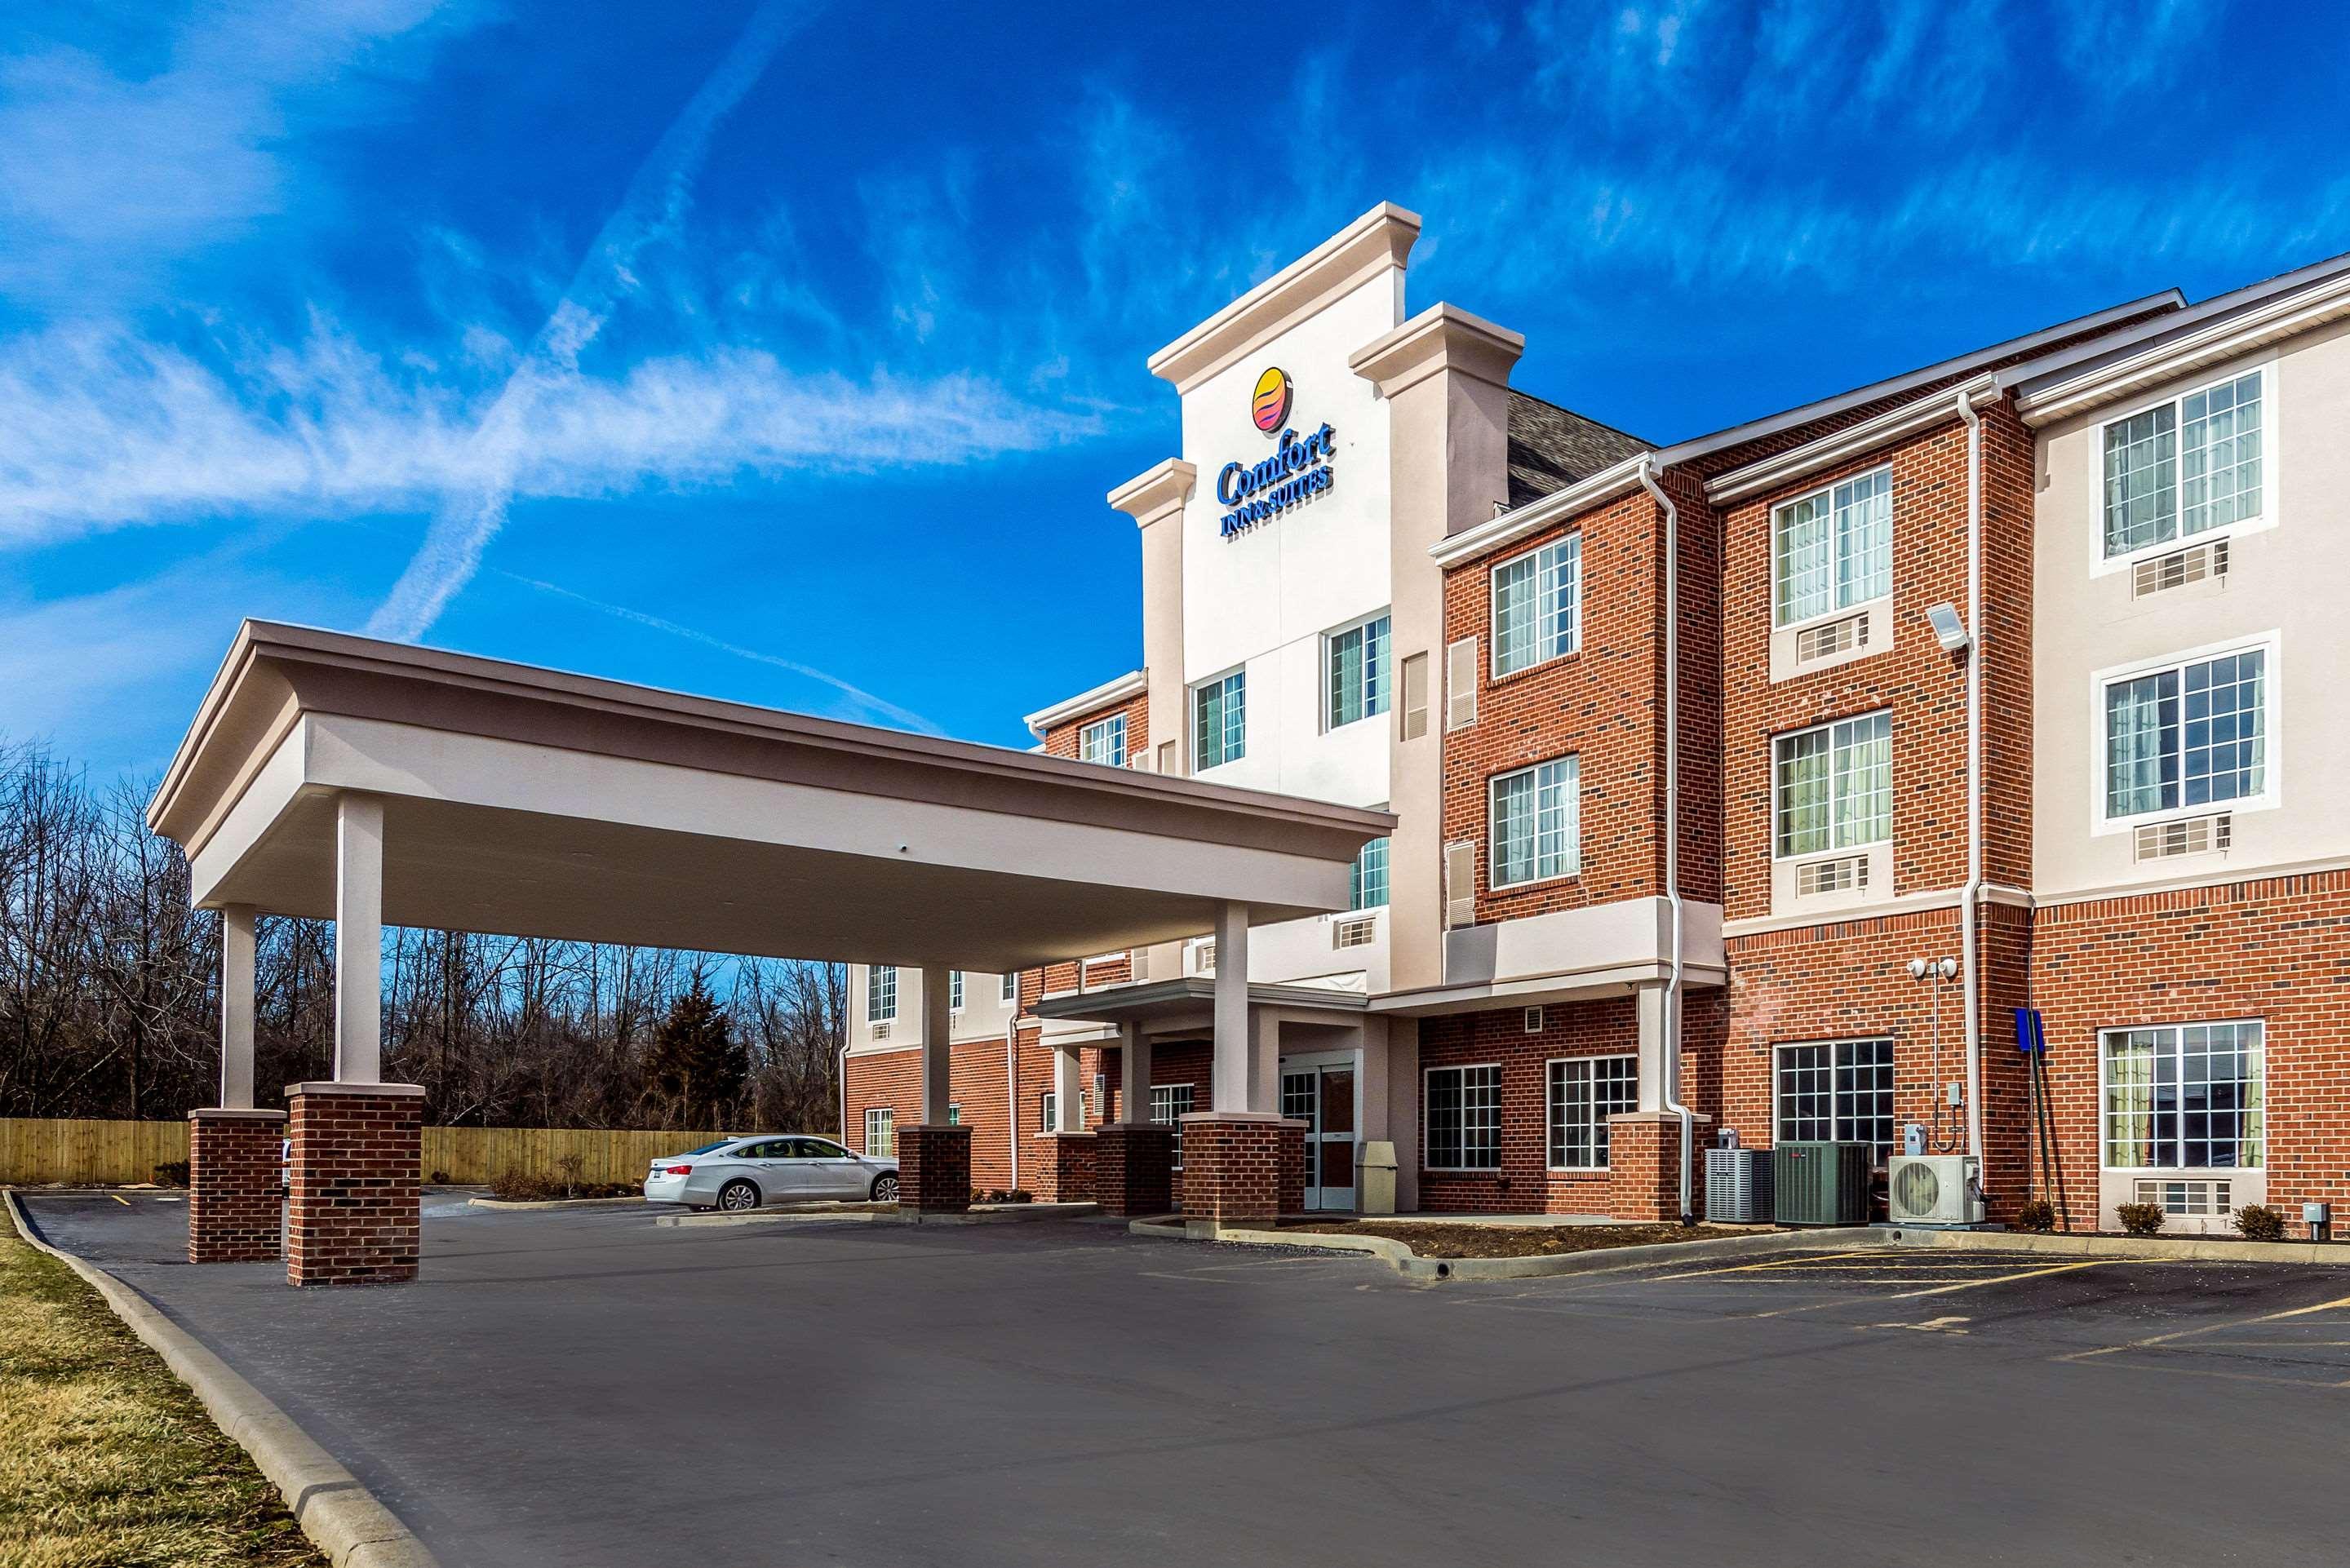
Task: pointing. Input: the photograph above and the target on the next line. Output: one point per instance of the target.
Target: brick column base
(352, 1218)
(1292, 1168)
(235, 1186)
(1064, 1168)
(1644, 1181)
(933, 1170)
(1236, 1168)
(1134, 1168)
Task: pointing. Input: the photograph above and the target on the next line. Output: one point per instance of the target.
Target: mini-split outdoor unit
(1933, 1190)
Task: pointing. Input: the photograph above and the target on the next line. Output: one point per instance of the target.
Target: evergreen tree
(694, 1061)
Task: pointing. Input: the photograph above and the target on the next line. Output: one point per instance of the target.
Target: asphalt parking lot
(587, 1389)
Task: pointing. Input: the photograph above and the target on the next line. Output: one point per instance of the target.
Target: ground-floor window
(881, 1133)
(1584, 1091)
(1462, 1118)
(2187, 1097)
(1168, 1104)
(954, 1114)
(1049, 1104)
(1836, 1091)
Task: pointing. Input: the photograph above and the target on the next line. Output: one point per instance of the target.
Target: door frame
(1350, 1057)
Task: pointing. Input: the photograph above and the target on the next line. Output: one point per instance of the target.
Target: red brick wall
(893, 1079)
(1061, 739)
(234, 1187)
(1523, 1184)
(353, 1214)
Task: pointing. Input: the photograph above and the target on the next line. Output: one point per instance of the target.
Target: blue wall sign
(1296, 473)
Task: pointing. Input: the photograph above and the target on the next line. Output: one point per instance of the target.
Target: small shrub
(172, 1173)
(2143, 1218)
(441, 1179)
(2258, 1223)
(1019, 1195)
(514, 1187)
(2039, 1214)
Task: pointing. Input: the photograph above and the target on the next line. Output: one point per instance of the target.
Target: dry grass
(105, 1459)
(1438, 1240)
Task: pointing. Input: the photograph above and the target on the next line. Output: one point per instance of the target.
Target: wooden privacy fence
(34, 1152)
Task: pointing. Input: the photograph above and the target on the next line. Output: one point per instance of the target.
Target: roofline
(1511, 527)
(1854, 441)
(1131, 684)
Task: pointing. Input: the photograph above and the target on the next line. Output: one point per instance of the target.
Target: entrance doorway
(1324, 1093)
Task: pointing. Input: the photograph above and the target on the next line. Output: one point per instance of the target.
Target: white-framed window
(2186, 736)
(1461, 1118)
(2183, 1097)
(954, 991)
(1104, 741)
(1354, 672)
(1367, 881)
(1538, 606)
(1100, 1107)
(954, 1113)
(1831, 786)
(1584, 1091)
(1170, 1104)
(882, 994)
(1535, 816)
(882, 1132)
(1838, 1091)
(1832, 549)
(1008, 987)
(1219, 721)
(1049, 1106)
(2186, 466)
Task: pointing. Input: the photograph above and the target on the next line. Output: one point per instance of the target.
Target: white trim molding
(1132, 684)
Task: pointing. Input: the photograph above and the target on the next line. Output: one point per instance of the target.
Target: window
(2184, 467)
(881, 1133)
(1415, 697)
(1536, 818)
(1834, 549)
(1837, 1091)
(954, 991)
(1219, 721)
(2190, 735)
(1835, 786)
(882, 994)
(1050, 1104)
(1101, 1097)
(1169, 1103)
(1366, 882)
(1537, 604)
(954, 1113)
(1463, 1118)
(1009, 987)
(1104, 741)
(2187, 1097)
(1584, 1091)
(1355, 666)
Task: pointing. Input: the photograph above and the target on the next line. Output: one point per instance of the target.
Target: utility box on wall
(1820, 1183)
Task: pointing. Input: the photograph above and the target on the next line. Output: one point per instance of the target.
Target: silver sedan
(746, 1172)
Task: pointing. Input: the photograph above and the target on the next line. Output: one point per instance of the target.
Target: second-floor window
(2184, 467)
(1834, 548)
(2193, 734)
(1104, 741)
(1219, 721)
(1536, 815)
(1834, 786)
(880, 993)
(1367, 882)
(1537, 605)
(1008, 987)
(1354, 672)
(954, 991)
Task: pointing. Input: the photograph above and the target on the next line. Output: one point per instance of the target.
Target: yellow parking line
(2154, 1340)
(1777, 1264)
(119, 1198)
(1998, 1280)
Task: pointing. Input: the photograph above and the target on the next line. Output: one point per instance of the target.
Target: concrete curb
(1597, 1260)
(990, 1214)
(333, 1509)
(881, 1214)
(556, 1204)
(2199, 1250)
(765, 1217)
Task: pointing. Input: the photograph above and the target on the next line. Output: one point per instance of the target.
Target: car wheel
(885, 1188)
(738, 1195)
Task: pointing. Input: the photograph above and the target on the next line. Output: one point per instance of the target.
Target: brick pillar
(1134, 1168)
(1234, 1168)
(933, 1170)
(235, 1186)
(1643, 1181)
(1064, 1168)
(1292, 1196)
(353, 1215)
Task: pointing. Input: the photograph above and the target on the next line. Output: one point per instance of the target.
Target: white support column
(1648, 1009)
(236, 1007)
(1133, 1074)
(1232, 1088)
(358, 939)
(1068, 1089)
(937, 1025)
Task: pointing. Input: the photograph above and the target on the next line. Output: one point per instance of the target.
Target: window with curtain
(2185, 1098)
(1462, 1118)
(1537, 605)
(1536, 814)
(1584, 1091)
(1835, 786)
(880, 993)
(1354, 670)
(2191, 735)
(1219, 721)
(881, 1133)
(1367, 884)
(1836, 1091)
(1104, 741)
(1832, 549)
(2184, 467)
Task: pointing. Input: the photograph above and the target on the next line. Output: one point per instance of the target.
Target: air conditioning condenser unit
(1934, 1189)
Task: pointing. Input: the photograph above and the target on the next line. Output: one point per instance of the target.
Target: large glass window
(2194, 735)
(1104, 741)
(881, 1133)
(1836, 1091)
(1354, 671)
(1367, 882)
(2185, 1098)
(1463, 1118)
(2184, 467)
(1584, 1091)
(1219, 721)
(1537, 608)
(1832, 549)
(1835, 786)
(1170, 1104)
(1536, 817)
(880, 993)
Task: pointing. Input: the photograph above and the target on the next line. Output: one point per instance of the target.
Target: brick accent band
(1134, 1168)
(353, 1216)
(934, 1169)
(1239, 1172)
(234, 1185)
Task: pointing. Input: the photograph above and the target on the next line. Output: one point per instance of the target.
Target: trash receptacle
(1379, 1177)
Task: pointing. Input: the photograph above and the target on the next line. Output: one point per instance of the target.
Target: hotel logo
(1270, 406)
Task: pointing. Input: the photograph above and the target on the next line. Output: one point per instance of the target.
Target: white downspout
(1672, 1063)
(1970, 897)
(1012, 1085)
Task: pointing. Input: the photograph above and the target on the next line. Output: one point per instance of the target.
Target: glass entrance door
(1323, 1098)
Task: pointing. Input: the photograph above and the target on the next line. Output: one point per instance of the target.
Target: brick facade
(1240, 1172)
(1134, 1171)
(352, 1213)
(934, 1169)
(1064, 1167)
(235, 1186)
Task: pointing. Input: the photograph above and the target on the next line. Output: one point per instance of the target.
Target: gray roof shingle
(1552, 448)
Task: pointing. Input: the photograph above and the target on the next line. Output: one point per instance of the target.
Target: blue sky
(785, 352)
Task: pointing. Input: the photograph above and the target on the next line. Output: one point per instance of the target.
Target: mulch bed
(1442, 1241)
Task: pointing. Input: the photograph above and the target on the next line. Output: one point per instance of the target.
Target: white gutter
(1971, 896)
(1540, 513)
(840, 1065)
(1672, 1063)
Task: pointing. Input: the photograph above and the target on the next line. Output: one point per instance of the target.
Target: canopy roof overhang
(1191, 1000)
(529, 802)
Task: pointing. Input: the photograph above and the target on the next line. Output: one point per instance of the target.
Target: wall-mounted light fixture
(1953, 636)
